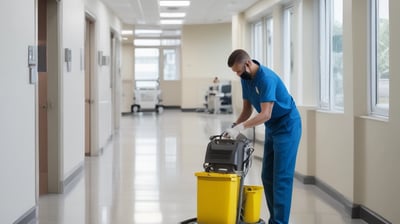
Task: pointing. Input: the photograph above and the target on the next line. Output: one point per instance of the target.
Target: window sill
(375, 118)
(330, 112)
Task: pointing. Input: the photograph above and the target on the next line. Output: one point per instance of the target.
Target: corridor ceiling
(147, 12)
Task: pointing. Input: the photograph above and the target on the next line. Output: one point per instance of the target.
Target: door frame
(94, 149)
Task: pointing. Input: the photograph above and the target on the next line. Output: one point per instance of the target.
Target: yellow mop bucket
(252, 203)
(217, 197)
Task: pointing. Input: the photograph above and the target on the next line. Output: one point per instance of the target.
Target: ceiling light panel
(171, 33)
(172, 14)
(171, 21)
(147, 31)
(174, 3)
(127, 32)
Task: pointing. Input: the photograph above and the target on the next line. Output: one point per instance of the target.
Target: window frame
(326, 78)
(255, 45)
(288, 54)
(376, 109)
(162, 43)
(269, 26)
(162, 63)
(266, 51)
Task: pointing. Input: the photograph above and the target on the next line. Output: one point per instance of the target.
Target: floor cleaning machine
(222, 197)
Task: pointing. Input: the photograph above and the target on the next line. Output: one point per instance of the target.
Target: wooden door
(89, 28)
(42, 93)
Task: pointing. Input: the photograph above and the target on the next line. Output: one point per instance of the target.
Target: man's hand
(234, 132)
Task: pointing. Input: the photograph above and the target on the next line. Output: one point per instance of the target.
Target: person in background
(264, 90)
(215, 83)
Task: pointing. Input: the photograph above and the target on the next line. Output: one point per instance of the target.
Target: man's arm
(246, 112)
(262, 117)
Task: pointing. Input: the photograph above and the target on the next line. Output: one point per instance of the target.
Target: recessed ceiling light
(126, 32)
(171, 21)
(147, 31)
(174, 3)
(172, 14)
(171, 33)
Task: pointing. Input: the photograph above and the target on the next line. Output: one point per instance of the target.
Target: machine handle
(212, 137)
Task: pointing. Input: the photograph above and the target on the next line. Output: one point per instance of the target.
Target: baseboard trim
(355, 211)
(172, 107)
(71, 180)
(28, 217)
(370, 216)
(188, 109)
(101, 149)
(347, 204)
(311, 180)
(305, 179)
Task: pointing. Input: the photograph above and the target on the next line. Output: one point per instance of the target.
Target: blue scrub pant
(280, 149)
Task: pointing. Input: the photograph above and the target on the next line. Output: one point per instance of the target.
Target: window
(288, 47)
(269, 38)
(257, 41)
(170, 57)
(155, 59)
(261, 41)
(331, 55)
(379, 57)
(146, 67)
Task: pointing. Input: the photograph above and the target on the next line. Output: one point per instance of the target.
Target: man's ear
(248, 64)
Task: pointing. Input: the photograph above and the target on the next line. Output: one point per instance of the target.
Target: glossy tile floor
(146, 175)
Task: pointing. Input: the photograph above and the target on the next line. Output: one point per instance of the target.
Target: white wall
(171, 92)
(18, 112)
(334, 154)
(205, 50)
(73, 94)
(73, 82)
(105, 20)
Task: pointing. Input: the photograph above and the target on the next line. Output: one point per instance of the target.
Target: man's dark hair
(238, 56)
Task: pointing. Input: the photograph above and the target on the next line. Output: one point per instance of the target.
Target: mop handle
(239, 204)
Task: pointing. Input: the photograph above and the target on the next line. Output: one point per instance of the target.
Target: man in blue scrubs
(265, 91)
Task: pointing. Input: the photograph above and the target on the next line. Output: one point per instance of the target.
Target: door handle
(89, 101)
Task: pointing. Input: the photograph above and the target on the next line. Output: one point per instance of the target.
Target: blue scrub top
(267, 86)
